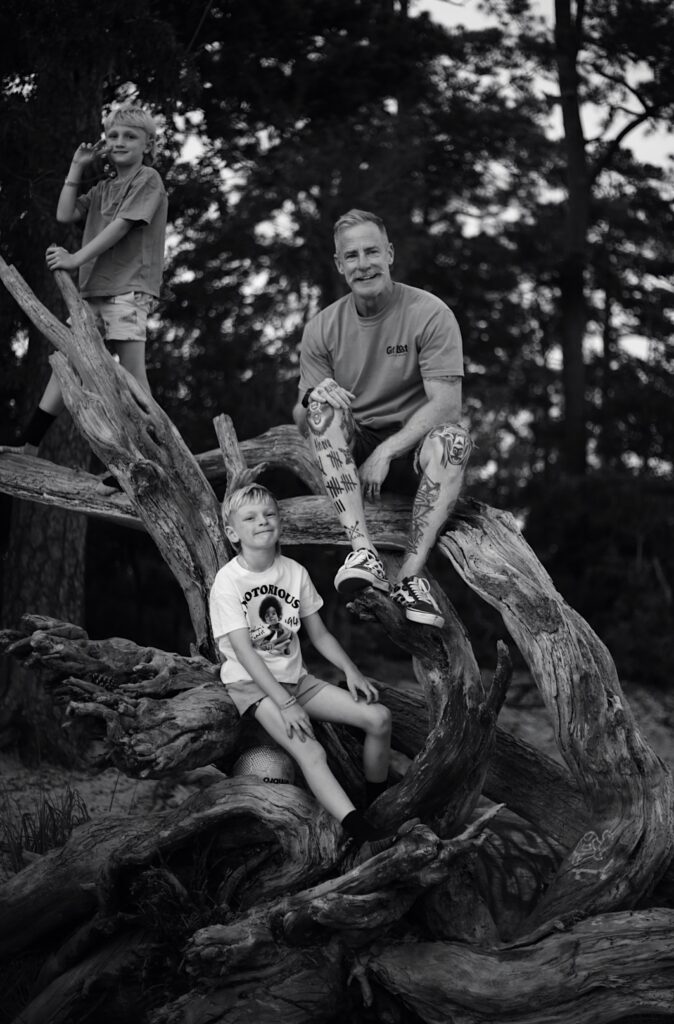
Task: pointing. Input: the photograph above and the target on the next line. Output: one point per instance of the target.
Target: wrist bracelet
(289, 703)
(73, 184)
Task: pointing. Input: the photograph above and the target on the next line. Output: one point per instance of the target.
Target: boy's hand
(297, 720)
(357, 684)
(87, 151)
(59, 258)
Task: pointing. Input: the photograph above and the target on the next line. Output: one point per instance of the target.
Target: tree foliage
(281, 115)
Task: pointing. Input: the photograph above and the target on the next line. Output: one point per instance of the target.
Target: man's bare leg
(331, 432)
(442, 460)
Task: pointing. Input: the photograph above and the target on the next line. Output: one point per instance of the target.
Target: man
(380, 376)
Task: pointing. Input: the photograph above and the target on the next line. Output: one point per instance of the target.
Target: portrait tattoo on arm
(456, 444)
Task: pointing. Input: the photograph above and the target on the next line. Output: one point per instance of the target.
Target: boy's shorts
(122, 317)
(403, 474)
(246, 694)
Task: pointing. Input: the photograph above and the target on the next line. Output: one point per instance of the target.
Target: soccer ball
(269, 764)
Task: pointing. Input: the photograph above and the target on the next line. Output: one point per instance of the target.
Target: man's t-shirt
(136, 262)
(270, 605)
(383, 359)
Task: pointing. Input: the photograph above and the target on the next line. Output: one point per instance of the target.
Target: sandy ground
(110, 791)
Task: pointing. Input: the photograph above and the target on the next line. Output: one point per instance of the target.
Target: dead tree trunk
(247, 904)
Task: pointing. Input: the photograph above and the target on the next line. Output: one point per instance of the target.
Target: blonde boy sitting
(271, 681)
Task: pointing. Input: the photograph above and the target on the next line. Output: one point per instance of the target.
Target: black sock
(38, 426)
(374, 789)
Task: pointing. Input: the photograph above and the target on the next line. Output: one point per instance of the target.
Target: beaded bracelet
(289, 703)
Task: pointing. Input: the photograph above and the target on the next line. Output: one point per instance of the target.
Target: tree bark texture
(514, 889)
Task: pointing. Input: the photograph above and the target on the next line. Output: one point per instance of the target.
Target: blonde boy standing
(121, 259)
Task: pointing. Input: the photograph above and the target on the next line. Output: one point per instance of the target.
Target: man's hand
(329, 391)
(59, 258)
(373, 472)
(358, 684)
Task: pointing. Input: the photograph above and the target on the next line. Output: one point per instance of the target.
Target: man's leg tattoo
(446, 450)
(331, 432)
(424, 503)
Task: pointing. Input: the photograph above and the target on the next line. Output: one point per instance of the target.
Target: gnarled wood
(628, 790)
(288, 899)
(593, 973)
(133, 436)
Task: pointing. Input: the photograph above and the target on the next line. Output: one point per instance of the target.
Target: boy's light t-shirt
(136, 262)
(383, 359)
(270, 605)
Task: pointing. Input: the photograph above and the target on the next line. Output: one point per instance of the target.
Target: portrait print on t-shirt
(268, 632)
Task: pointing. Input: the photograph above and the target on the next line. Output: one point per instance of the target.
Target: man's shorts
(246, 694)
(122, 317)
(403, 474)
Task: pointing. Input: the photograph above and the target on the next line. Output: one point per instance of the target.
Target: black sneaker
(414, 594)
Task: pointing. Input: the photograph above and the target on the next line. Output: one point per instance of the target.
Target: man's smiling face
(364, 257)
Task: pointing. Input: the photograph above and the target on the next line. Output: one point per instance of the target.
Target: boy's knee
(380, 719)
(448, 443)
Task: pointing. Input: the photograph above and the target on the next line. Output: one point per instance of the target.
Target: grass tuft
(45, 826)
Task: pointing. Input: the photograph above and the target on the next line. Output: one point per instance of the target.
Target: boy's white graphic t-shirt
(270, 604)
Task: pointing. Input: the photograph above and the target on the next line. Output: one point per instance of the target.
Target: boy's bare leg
(132, 357)
(51, 403)
(442, 460)
(331, 704)
(311, 758)
(331, 433)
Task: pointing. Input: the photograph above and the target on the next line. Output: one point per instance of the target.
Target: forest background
(510, 166)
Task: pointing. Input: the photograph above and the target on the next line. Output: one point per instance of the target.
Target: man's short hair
(133, 116)
(354, 217)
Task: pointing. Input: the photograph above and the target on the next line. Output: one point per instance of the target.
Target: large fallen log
(247, 902)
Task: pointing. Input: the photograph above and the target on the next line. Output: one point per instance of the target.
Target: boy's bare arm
(331, 649)
(295, 717)
(59, 258)
(66, 210)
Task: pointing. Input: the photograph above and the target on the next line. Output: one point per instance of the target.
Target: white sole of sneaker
(425, 618)
(356, 579)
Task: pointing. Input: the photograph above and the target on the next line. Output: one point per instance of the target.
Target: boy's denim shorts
(246, 694)
(122, 317)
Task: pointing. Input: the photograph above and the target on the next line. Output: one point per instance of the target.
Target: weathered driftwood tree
(531, 891)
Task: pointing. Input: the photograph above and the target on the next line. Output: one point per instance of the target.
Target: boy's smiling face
(255, 526)
(126, 144)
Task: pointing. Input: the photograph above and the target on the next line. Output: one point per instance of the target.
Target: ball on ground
(269, 764)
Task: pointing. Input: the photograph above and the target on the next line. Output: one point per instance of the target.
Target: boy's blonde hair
(135, 117)
(251, 493)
